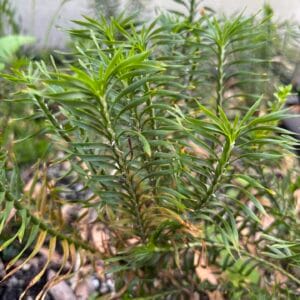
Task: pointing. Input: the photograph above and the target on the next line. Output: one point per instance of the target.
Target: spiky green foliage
(10, 45)
(180, 177)
(10, 50)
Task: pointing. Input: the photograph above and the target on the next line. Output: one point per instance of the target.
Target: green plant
(9, 45)
(11, 123)
(181, 175)
(8, 23)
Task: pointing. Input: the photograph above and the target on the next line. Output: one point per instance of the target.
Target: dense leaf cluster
(161, 125)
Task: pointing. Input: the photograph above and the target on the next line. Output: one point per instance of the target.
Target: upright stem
(221, 167)
(123, 166)
(192, 11)
(220, 77)
(152, 111)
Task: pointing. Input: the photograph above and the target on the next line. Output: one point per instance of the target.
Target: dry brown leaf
(280, 278)
(252, 248)
(133, 241)
(207, 273)
(199, 151)
(215, 295)
(202, 11)
(264, 201)
(266, 221)
(203, 271)
(100, 238)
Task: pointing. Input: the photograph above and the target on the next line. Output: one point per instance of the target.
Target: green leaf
(143, 140)
(10, 44)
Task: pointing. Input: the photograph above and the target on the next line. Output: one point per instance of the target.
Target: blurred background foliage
(12, 127)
